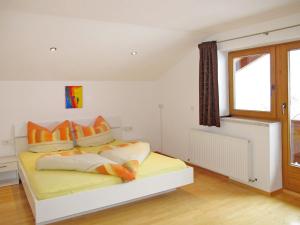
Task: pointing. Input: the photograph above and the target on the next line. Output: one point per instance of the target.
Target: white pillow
(95, 140)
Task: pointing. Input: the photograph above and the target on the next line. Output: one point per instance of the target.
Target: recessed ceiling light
(53, 49)
(133, 53)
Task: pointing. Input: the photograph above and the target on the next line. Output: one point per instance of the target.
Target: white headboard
(20, 130)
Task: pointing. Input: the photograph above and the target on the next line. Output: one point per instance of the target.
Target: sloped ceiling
(94, 38)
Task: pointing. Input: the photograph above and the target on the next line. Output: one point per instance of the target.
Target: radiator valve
(252, 180)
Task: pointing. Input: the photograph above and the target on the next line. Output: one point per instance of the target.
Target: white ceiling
(94, 38)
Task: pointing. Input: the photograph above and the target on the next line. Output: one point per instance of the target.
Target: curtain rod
(260, 33)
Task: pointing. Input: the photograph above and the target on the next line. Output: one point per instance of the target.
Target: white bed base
(67, 206)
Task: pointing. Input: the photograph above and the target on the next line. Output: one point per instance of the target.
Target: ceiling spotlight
(133, 53)
(53, 49)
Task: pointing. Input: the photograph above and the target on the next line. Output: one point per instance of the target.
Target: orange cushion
(38, 134)
(96, 135)
(100, 126)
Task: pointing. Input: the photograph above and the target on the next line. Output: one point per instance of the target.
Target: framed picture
(73, 97)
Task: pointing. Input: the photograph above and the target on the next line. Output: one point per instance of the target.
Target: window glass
(252, 82)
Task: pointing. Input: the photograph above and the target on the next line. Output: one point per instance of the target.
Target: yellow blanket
(49, 184)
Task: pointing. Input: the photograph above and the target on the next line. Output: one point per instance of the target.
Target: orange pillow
(41, 139)
(98, 134)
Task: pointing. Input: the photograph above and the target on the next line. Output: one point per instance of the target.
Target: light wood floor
(211, 200)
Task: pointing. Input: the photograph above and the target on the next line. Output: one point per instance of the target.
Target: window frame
(251, 113)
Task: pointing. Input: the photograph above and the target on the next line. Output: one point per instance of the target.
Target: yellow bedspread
(50, 184)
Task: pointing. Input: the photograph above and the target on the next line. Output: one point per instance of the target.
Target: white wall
(260, 40)
(179, 95)
(134, 102)
(179, 85)
(178, 90)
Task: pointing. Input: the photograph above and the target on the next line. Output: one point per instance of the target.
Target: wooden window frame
(291, 174)
(249, 113)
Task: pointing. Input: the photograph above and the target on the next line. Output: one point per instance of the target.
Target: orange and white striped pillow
(98, 134)
(41, 139)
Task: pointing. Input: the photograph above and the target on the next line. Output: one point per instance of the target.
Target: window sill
(256, 122)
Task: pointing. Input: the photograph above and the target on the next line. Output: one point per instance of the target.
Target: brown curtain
(208, 85)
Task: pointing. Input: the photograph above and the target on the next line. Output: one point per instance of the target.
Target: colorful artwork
(73, 97)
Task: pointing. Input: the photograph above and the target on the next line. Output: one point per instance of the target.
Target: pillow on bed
(98, 134)
(41, 139)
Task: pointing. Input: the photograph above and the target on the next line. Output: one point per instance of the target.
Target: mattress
(50, 184)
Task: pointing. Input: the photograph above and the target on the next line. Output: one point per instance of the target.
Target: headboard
(20, 130)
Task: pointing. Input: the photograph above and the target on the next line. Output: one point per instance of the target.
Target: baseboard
(295, 194)
(158, 152)
(279, 191)
(273, 193)
(221, 176)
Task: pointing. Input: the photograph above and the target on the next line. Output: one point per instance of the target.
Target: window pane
(252, 82)
(294, 105)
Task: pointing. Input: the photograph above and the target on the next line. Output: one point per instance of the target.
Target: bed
(58, 195)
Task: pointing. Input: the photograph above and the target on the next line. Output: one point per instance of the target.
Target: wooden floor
(211, 200)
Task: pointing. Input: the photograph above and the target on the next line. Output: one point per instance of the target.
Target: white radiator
(226, 155)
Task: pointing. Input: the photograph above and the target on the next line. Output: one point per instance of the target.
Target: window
(252, 83)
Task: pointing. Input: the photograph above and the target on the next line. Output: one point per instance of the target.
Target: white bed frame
(67, 206)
